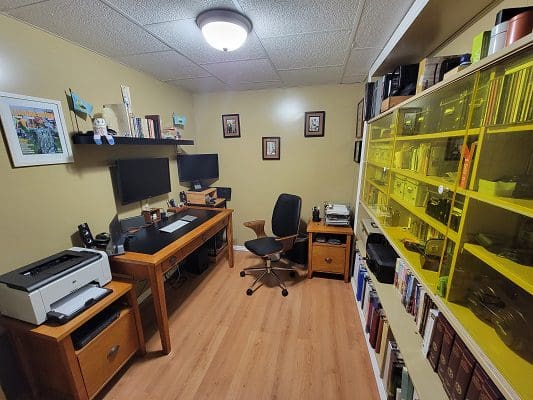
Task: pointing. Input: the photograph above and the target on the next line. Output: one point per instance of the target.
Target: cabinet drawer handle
(173, 260)
(328, 260)
(112, 351)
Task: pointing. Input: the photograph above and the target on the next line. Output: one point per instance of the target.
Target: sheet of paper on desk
(173, 226)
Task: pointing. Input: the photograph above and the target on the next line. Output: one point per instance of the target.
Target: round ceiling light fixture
(225, 30)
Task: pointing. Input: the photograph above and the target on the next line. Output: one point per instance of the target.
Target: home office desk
(151, 253)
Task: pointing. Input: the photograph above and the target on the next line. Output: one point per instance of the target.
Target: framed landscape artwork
(314, 123)
(231, 125)
(35, 130)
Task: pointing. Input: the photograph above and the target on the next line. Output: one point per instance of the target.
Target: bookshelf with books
(458, 171)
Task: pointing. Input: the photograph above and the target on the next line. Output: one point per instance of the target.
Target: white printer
(58, 287)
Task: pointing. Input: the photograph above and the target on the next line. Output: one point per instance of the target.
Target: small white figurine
(100, 129)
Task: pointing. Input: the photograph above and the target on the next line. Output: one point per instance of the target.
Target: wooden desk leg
(229, 238)
(132, 301)
(310, 256)
(348, 258)
(160, 305)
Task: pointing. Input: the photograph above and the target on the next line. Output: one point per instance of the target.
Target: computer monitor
(142, 178)
(196, 168)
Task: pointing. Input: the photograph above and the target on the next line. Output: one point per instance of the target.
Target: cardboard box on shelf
(392, 101)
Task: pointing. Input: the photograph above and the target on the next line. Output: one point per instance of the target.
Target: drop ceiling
(293, 42)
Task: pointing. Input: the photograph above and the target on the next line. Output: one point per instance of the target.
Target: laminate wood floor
(227, 345)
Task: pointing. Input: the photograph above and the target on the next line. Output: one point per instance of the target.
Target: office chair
(285, 224)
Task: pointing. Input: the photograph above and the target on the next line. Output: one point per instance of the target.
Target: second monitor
(196, 168)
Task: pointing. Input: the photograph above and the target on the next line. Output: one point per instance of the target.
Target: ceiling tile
(287, 17)
(243, 71)
(153, 11)
(379, 20)
(311, 76)
(209, 84)
(354, 78)
(91, 24)
(186, 37)
(308, 50)
(361, 60)
(165, 65)
(254, 86)
(9, 4)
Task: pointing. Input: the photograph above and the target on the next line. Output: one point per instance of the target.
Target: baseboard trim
(240, 248)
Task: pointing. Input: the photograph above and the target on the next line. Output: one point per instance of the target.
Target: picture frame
(360, 119)
(358, 148)
(271, 147)
(35, 130)
(315, 123)
(231, 126)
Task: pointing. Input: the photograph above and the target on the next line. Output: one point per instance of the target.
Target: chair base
(268, 269)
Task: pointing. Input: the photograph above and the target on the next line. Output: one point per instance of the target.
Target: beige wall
(463, 43)
(317, 169)
(42, 206)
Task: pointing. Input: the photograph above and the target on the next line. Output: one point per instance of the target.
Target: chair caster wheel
(243, 274)
(284, 292)
(249, 291)
(292, 274)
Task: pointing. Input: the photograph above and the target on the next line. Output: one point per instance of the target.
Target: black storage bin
(381, 258)
(298, 253)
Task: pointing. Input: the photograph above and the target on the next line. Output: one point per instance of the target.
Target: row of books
(462, 377)
(510, 98)
(393, 372)
(147, 127)
(457, 368)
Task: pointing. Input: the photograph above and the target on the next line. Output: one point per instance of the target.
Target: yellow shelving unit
(487, 109)
(521, 275)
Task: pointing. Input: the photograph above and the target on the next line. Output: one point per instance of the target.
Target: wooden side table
(329, 257)
(56, 370)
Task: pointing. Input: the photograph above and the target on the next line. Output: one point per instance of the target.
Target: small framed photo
(35, 130)
(357, 151)
(315, 122)
(231, 125)
(271, 148)
(360, 121)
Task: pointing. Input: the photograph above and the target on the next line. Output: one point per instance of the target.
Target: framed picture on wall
(360, 120)
(315, 122)
(231, 125)
(271, 148)
(357, 151)
(35, 130)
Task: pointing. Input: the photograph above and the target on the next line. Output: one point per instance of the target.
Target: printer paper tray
(69, 306)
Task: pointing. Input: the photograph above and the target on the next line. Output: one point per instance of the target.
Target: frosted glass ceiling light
(225, 30)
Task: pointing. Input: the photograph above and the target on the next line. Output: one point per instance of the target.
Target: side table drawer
(103, 356)
(328, 258)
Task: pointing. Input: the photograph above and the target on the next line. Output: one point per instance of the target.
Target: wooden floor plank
(227, 345)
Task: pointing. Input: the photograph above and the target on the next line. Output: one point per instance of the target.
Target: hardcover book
(436, 344)
(463, 374)
(453, 365)
(446, 349)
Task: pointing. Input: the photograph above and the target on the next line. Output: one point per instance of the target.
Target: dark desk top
(150, 240)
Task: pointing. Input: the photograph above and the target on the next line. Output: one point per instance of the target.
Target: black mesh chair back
(286, 215)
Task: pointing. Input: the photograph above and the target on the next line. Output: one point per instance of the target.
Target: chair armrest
(287, 241)
(258, 226)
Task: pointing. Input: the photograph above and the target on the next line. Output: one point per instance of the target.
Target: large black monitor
(142, 178)
(197, 167)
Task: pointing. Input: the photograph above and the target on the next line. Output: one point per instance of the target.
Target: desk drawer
(215, 229)
(328, 258)
(103, 356)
